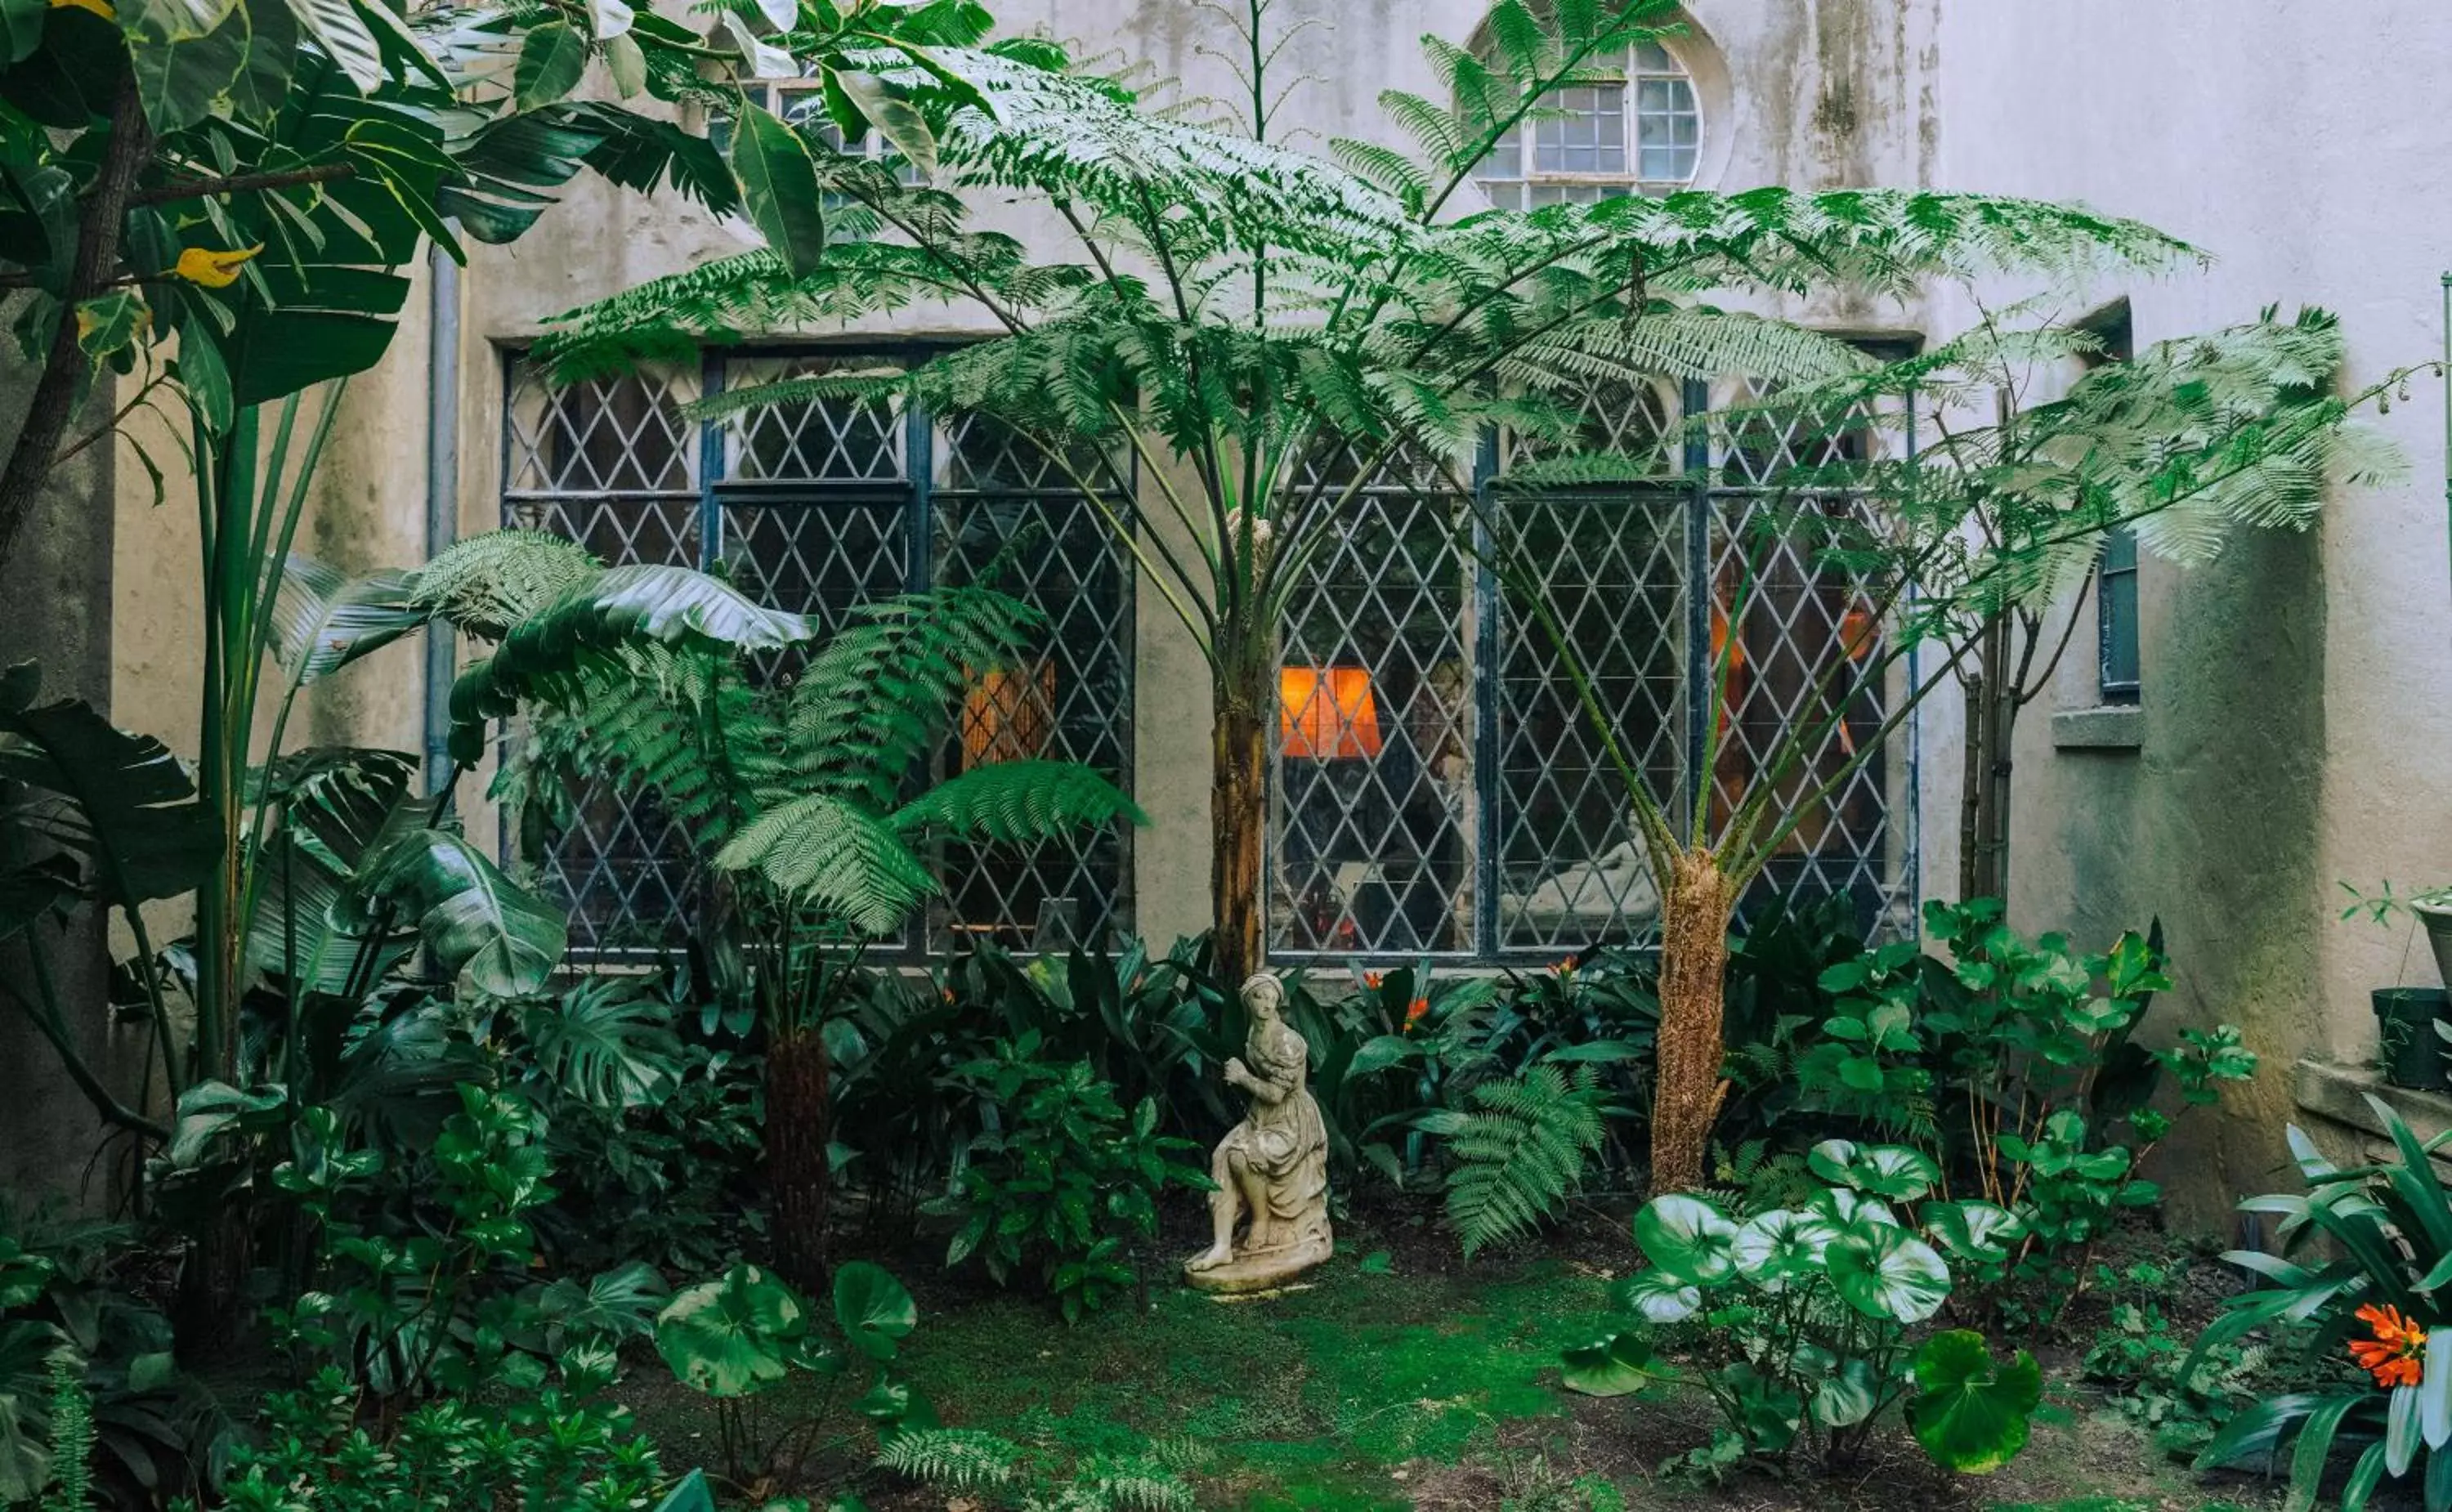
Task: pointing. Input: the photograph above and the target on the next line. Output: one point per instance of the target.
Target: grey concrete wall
(56, 610)
(2294, 712)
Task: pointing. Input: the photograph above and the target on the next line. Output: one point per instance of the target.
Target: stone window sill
(2113, 727)
(2339, 1094)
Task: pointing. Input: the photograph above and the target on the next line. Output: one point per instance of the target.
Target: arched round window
(1633, 129)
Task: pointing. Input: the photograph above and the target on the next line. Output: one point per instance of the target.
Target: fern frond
(1521, 1151)
(488, 584)
(1015, 802)
(833, 855)
(951, 1459)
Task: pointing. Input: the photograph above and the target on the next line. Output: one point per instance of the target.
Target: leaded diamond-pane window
(1441, 788)
(1375, 801)
(612, 464)
(819, 507)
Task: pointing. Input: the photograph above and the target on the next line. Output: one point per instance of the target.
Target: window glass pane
(826, 439)
(1371, 847)
(1650, 57)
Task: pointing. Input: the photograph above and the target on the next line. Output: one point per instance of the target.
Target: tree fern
(1521, 1151)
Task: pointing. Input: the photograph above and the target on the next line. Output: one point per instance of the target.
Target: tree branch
(63, 370)
(243, 183)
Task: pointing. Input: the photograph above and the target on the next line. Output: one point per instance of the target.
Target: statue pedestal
(1259, 1272)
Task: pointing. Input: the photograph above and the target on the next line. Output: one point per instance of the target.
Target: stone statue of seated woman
(1272, 1169)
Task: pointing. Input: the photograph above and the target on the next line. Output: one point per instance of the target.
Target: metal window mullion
(1488, 689)
(710, 467)
(1700, 709)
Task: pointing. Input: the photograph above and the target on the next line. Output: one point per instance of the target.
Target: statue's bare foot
(1211, 1257)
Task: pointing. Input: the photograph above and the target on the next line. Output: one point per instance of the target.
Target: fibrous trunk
(797, 1119)
(1239, 814)
(1693, 973)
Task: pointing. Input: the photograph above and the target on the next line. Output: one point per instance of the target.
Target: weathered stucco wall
(2294, 709)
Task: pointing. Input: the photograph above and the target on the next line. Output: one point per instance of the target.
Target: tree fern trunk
(1693, 978)
(1238, 815)
(797, 1132)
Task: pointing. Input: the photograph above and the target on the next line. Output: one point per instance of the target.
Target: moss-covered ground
(1428, 1385)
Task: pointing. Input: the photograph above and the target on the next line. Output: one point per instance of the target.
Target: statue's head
(1264, 996)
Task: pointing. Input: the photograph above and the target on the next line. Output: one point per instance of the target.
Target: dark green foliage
(562, 1445)
(1521, 1151)
(991, 1471)
(1066, 1185)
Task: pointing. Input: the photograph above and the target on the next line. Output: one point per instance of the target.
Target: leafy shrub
(562, 1446)
(736, 1338)
(425, 1280)
(1520, 1151)
(65, 1308)
(2381, 1237)
(1811, 1307)
(1067, 1185)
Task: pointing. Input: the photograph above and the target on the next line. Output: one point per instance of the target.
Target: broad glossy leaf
(21, 28)
(344, 33)
(1774, 1247)
(609, 19)
(1884, 1271)
(1615, 1366)
(1687, 1238)
(874, 1310)
(1848, 1394)
(1973, 1229)
(109, 322)
(551, 62)
(731, 1338)
(1658, 1297)
(607, 1044)
(896, 119)
(180, 74)
(691, 1493)
(263, 83)
(1879, 1171)
(779, 189)
(327, 620)
(1971, 1412)
(481, 926)
(33, 891)
(131, 814)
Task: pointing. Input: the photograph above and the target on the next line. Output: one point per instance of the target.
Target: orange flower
(1371, 980)
(2395, 1355)
(1564, 968)
(1416, 1012)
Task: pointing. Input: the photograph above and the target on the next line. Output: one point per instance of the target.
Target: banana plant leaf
(121, 803)
(329, 619)
(482, 927)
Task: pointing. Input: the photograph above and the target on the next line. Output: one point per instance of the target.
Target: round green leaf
(1775, 1247)
(1689, 1238)
(1884, 1271)
(1973, 1229)
(1848, 1395)
(732, 1338)
(1658, 1297)
(874, 1310)
(1614, 1367)
(1880, 1170)
(1970, 1412)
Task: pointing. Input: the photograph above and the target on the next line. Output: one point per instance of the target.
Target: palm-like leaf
(830, 854)
(488, 584)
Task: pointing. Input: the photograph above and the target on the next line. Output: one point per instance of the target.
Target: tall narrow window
(2119, 678)
(1634, 128)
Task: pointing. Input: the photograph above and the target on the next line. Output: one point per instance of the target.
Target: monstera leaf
(1615, 1366)
(1687, 1238)
(1878, 1171)
(734, 1337)
(607, 1044)
(1971, 1411)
